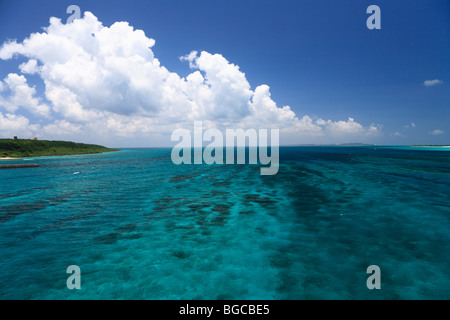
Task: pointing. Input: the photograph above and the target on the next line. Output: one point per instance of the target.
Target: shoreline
(24, 149)
(430, 146)
(56, 155)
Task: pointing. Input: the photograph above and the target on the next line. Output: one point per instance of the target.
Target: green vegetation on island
(19, 148)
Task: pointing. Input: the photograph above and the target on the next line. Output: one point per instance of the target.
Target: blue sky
(318, 57)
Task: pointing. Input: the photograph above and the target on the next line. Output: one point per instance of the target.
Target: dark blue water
(140, 227)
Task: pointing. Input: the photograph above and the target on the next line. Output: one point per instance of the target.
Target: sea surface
(140, 227)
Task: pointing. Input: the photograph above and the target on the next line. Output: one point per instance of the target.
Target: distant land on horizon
(332, 145)
(363, 145)
(19, 148)
(432, 145)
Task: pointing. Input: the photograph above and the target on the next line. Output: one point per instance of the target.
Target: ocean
(140, 227)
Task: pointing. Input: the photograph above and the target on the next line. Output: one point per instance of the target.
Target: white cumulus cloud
(430, 83)
(105, 82)
(437, 132)
(398, 134)
(21, 96)
(11, 125)
(29, 67)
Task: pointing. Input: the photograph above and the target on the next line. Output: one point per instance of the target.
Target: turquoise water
(140, 227)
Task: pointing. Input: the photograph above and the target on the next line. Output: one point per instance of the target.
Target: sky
(128, 73)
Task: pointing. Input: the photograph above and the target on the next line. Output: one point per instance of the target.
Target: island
(20, 148)
(430, 146)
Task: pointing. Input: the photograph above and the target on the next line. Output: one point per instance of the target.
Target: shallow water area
(140, 227)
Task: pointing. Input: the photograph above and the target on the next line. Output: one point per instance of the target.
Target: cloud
(398, 134)
(60, 129)
(430, 83)
(21, 96)
(412, 125)
(11, 125)
(342, 127)
(191, 58)
(29, 67)
(348, 128)
(437, 132)
(106, 83)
